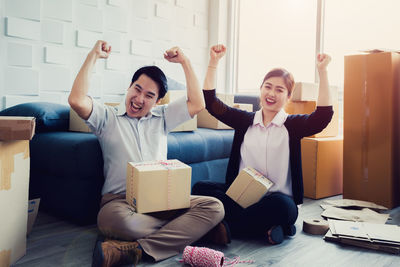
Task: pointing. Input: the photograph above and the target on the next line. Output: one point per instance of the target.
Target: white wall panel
(54, 97)
(12, 100)
(116, 62)
(163, 11)
(184, 17)
(54, 78)
(19, 81)
(142, 29)
(200, 20)
(116, 19)
(140, 8)
(19, 55)
(162, 30)
(28, 9)
(56, 55)
(187, 4)
(89, 18)
(57, 9)
(141, 48)
(201, 6)
(89, 2)
(86, 38)
(119, 3)
(115, 82)
(22, 28)
(113, 39)
(137, 62)
(52, 31)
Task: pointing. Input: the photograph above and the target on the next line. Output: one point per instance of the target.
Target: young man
(137, 131)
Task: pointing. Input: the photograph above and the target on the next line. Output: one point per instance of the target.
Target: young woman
(269, 141)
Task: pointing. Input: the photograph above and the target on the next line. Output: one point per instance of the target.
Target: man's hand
(175, 55)
(101, 49)
(323, 61)
(216, 53)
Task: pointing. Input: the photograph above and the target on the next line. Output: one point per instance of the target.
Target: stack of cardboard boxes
(15, 133)
(322, 153)
(371, 128)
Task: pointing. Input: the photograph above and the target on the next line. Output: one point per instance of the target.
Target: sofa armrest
(50, 117)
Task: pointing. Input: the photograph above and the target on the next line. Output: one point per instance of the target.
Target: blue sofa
(67, 167)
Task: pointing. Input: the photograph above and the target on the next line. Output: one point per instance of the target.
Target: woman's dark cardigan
(298, 126)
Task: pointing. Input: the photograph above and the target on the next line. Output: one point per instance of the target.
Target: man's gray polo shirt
(124, 139)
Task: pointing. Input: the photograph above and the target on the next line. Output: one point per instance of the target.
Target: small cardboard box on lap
(158, 185)
(249, 187)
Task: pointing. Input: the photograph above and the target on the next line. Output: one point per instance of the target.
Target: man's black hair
(157, 75)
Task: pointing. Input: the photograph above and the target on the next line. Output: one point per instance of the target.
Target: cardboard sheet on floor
(348, 203)
(361, 243)
(371, 232)
(363, 215)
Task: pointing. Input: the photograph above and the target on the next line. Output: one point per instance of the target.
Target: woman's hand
(216, 53)
(323, 61)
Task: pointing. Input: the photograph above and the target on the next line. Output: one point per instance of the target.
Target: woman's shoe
(275, 235)
(289, 230)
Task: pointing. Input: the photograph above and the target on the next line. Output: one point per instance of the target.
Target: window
(353, 26)
(275, 33)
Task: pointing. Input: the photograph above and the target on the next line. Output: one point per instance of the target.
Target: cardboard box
(306, 91)
(249, 187)
(307, 107)
(322, 162)
(16, 128)
(14, 190)
(371, 128)
(173, 95)
(158, 185)
(76, 123)
(33, 208)
(206, 120)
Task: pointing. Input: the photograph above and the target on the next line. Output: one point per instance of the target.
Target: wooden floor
(58, 243)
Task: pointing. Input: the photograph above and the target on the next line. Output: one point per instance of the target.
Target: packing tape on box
(315, 226)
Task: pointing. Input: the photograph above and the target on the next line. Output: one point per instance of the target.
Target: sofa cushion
(68, 155)
(208, 144)
(49, 116)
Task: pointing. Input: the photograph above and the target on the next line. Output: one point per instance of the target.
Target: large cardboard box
(322, 162)
(206, 120)
(249, 187)
(307, 107)
(16, 128)
(306, 91)
(173, 95)
(76, 123)
(14, 189)
(371, 128)
(158, 185)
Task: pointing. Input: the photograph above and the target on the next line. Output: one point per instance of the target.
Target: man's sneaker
(114, 253)
(220, 234)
